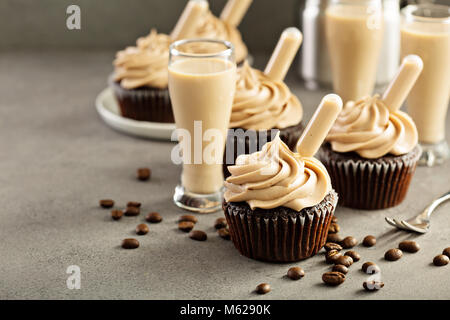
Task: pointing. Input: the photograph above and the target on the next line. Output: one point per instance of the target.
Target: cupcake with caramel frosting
(260, 105)
(278, 204)
(140, 79)
(371, 154)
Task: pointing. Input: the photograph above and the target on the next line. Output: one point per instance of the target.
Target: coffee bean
(198, 235)
(333, 278)
(446, 252)
(373, 285)
(441, 260)
(106, 203)
(334, 237)
(334, 219)
(130, 243)
(349, 242)
(224, 233)
(295, 273)
(332, 246)
(409, 246)
(369, 241)
(153, 217)
(340, 268)
(334, 228)
(354, 255)
(116, 214)
(188, 217)
(370, 268)
(186, 226)
(263, 288)
(220, 223)
(143, 174)
(332, 255)
(141, 229)
(132, 211)
(344, 260)
(134, 204)
(393, 254)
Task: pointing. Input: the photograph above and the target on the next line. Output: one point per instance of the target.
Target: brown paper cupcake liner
(280, 234)
(289, 135)
(370, 183)
(144, 103)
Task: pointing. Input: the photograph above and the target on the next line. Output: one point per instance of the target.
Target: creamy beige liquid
(354, 39)
(428, 100)
(202, 90)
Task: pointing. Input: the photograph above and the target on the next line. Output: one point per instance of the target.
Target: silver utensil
(422, 222)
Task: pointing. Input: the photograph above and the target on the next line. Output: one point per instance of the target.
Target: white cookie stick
(234, 11)
(187, 22)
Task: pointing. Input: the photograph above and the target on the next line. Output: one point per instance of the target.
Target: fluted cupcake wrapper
(370, 183)
(144, 104)
(280, 234)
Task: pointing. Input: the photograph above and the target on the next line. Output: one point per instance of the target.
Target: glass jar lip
(224, 53)
(408, 13)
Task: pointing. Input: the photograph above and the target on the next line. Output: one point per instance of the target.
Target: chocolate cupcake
(278, 205)
(371, 154)
(140, 79)
(261, 108)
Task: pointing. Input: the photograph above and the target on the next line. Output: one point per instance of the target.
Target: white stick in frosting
(401, 85)
(284, 54)
(319, 125)
(186, 24)
(234, 11)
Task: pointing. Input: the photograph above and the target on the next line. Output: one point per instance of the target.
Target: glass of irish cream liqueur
(202, 80)
(425, 32)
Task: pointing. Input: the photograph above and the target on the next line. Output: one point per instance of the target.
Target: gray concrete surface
(58, 159)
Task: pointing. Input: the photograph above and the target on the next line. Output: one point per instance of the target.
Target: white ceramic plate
(108, 109)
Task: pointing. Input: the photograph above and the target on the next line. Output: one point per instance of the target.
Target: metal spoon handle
(437, 202)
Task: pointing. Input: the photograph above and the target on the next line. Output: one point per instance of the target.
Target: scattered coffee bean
(332, 246)
(333, 278)
(186, 226)
(132, 211)
(441, 260)
(334, 219)
(354, 255)
(340, 268)
(334, 237)
(198, 235)
(116, 214)
(344, 260)
(349, 242)
(106, 203)
(373, 285)
(224, 233)
(393, 254)
(332, 255)
(220, 223)
(188, 217)
(295, 273)
(334, 228)
(446, 252)
(134, 204)
(369, 241)
(370, 268)
(153, 217)
(141, 229)
(143, 174)
(263, 288)
(409, 246)
(130, 243)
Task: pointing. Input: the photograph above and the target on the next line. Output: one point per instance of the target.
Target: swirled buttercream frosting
(277, 177)
(261, 104)
(368, 128)
(211, 27)
(144, 64)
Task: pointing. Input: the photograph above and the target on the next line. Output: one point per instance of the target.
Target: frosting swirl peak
(275, 176)
(144, 65)
(368, 128)
(262, 104)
